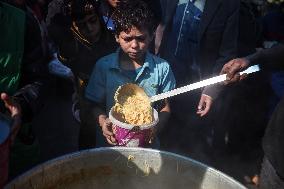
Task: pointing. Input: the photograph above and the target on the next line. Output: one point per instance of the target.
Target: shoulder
(106, 61)
(15, 14)
(54, 7)
(168, 8)
(106, 58)
(159, 62)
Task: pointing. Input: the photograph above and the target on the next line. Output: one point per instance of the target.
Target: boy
(131, 63)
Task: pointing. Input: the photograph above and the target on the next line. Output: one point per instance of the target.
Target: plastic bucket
(4, 150)
(133, 136)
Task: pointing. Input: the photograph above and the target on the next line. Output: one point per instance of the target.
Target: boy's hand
(15, 113)
(204, 105)
(106, 125)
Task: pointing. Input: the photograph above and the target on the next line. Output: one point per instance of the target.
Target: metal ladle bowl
(127, 90)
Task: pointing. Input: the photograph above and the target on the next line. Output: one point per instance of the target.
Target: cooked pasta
(135, 109)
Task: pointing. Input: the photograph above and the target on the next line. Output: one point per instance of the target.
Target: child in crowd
(81, 38)
(131, 63)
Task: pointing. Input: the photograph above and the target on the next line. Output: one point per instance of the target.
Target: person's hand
(106, 125)
(204, 105)
(15, 113)
(232, 69)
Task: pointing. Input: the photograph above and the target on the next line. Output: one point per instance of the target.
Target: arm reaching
(15, 113)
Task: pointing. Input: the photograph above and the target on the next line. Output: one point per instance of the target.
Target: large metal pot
(121, 167)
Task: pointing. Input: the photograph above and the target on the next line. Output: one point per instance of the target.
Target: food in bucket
(132, 105)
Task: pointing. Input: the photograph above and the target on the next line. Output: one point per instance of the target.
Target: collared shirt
(155, 76)
(183, 38)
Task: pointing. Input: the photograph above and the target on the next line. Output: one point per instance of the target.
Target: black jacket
(217, 35)
(273, 140)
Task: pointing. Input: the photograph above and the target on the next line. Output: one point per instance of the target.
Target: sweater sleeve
(269, 58)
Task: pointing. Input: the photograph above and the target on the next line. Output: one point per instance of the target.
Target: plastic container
(133, 136)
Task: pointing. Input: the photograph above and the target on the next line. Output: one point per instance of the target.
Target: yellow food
(134, 108)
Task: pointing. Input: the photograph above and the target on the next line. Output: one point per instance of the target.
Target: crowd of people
(99, 45)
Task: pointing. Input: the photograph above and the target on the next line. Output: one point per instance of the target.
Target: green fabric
(12, 32)
(12, 21)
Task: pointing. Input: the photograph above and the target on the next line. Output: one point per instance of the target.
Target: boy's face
(90, 27)
(134, 43)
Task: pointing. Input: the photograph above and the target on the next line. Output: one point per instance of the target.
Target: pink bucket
(133, 136)
(4, 150)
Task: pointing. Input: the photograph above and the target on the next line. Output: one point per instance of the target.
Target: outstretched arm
(15, 111)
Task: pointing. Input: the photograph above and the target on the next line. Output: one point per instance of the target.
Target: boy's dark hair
(133, 13)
